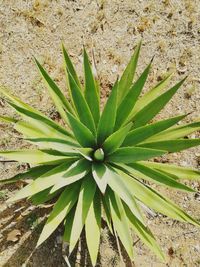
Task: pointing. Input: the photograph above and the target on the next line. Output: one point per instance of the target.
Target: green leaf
(131, 154)
(86, 152)
(143, 172)
(108, 116)
(172, 145)
(31, 174)
(130, 99)
(38, 130)
(179, 172)
(91, 92)
(34, 117)
(150, 96)
(114, 141)
(43, 196)
(100, 174)
(140, 134)
(123, 192)
(33, 156)
(128, 75)
(31, 131)
(68, 224)
(154, 107)
(55, 143)
(56, 94)
(154, 200)
(39, 120)
(69, 66)
(177, 132)
(106, 207)
(143, 233)
(17, 101)
(83, 135)
(44, 181)
(81, 105)
(85, 199)
(64, 146)
(8, 119)
(121, 223)
(77, 171)
(93, 228)
(64, 204)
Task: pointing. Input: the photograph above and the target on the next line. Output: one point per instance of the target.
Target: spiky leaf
(91, 92)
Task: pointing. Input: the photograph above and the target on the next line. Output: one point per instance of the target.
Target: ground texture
(170, 30)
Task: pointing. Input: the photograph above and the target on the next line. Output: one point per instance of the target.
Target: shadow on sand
(21, 216)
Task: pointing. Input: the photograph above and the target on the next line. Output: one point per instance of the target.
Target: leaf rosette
(96, 165)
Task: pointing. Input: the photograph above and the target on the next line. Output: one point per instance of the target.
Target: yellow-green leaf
(143, 233)
(93, 228)
(91, 92)
(140, 134)
(108, 116)
(44, 181)
(130, 99)
(122, 190)
(83, 135)
(31, 174)
(65, 202)
(69, 66)
(178, 171)
(128, 75)
(100, 175)
(81, 106)
(154, 200)
(172, 145)
(121, 223)
(34, 156)
(57, 96)
(152, 94)
(154, 107)
(131, 154)
(143, 172)
(76, 171)
(115, 140)
(85, 199)
(176, 132)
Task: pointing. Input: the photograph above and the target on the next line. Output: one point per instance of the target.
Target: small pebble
(59, 239)
(114, 69)
(197, 196)
(78, 257)
(197, 248)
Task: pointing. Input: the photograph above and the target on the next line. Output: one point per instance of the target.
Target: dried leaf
(14, 235)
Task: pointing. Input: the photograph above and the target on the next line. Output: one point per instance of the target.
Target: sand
(111, 29)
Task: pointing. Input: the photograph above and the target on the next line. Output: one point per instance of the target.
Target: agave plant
(96, 163)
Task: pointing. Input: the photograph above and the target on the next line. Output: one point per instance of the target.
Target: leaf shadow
(50, 253)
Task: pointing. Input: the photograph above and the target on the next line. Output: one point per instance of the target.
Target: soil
(170, 30)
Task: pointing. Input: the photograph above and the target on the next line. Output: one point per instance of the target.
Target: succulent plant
(96, 164)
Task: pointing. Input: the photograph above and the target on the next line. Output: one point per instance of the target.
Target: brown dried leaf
(14, 235)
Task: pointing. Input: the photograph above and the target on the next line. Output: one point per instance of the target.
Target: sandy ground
(170, 30)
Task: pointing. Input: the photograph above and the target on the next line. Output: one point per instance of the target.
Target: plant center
(99, 154)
